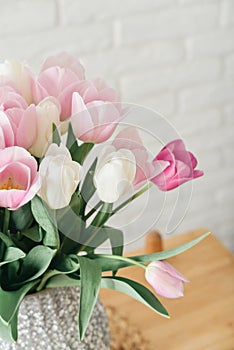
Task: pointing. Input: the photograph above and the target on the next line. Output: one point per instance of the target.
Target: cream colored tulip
(47, 113)
(114, 174)
(60, 176)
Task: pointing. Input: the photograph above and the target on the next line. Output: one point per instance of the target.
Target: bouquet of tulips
(50, 126)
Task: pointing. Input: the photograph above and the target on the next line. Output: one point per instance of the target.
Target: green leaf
(11, 300)
(90, 274)
(88, 189)
(116, 239)
(33, 266)
(44, 217)
(9, 332)
(115, 264)
(71, 143)
(171, 252)
(68, 220)
(60, 280)
(65, 264)
(6, 240)
(22, 218)
(12, 254)
(81, 153)
(56, 136)
(103, 215)
(136, 291)
(34, 233)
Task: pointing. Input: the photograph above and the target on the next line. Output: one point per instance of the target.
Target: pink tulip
(6, 132)
(129, 138)
(60, 77)
(97, 90)
(23, 122)
(19, 179)
(180, 169)
(165, 279)
(10, 98)
(95, 121)
(64, 60)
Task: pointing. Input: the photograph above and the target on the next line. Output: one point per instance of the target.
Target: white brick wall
(175, 56)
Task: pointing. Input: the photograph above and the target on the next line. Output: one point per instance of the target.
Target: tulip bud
(59, 177)
(115, 173)
(165, 279)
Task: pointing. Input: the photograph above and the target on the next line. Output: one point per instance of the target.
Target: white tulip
(114, 174)
(60, 176)
(47, 113)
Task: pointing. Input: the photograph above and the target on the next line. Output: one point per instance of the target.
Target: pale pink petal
(165, 279)
(7, 135)
(64, 60)
(27, 126)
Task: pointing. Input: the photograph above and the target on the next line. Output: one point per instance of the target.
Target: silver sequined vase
(49, 321)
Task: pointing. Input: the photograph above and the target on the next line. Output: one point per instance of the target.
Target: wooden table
(204, 318)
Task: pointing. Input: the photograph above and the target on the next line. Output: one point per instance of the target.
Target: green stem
(92, 211)
(6, 220)
(129, 200)
(100, 219)
(119, 257)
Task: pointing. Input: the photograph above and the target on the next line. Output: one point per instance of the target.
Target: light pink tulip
(35, 122)
(6, 132)
(23, 123)
(19, 116)
(180, 169)
(129, 138)
(165, 279)
(19, 178)
(65, 60)
(95, 121)
(98, 90)
(10, 98)
(60, 79)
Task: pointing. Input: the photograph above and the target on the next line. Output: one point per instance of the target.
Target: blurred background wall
(176, 56)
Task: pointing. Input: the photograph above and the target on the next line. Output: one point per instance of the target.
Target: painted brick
(229, 65)
(169, 78)
(163, 103)
(213, 43)
(37, 46)
(205, 96)
(78, 11)
(194, 122)
(172, 23)
(227, 12)
(116, 62)
(19, 17)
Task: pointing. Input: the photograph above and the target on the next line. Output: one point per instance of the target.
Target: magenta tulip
(180, 169)
(165, 279)
(19, 178)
